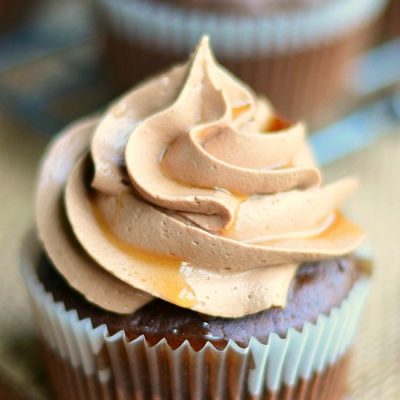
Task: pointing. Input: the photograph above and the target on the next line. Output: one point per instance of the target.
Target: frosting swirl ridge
(198, 191)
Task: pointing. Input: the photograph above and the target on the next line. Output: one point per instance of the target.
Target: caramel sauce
(237, 111)
(340, 226)
(276, 124)
(240, 198)
(167, 273)
(334, 227)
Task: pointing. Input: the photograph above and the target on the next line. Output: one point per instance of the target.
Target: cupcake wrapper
(136, 367)
(177, 29)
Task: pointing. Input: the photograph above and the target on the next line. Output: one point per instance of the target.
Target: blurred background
(333, 63)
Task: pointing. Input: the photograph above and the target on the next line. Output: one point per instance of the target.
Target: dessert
(297, 53)
(191, 250)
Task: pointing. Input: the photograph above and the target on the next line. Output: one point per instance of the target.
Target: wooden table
(376, 369)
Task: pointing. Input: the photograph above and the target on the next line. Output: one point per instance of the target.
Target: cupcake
(188, 250)
(295, 52)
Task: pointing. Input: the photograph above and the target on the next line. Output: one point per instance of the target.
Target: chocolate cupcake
(189, 250)
(295, 52)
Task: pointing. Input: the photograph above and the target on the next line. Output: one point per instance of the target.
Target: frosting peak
(198, 191)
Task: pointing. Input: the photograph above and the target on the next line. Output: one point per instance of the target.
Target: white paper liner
(178, 29)
(281, 361)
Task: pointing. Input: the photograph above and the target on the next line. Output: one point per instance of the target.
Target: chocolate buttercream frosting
(191, 190)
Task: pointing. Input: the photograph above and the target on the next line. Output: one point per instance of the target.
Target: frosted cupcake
(295, 52)
(188, 249)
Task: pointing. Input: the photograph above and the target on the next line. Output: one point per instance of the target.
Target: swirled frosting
(188, 189)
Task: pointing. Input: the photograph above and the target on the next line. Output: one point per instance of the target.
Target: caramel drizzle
(237, 111)
(167, 273)
(275, 125)
(335, 225)
(311, 233)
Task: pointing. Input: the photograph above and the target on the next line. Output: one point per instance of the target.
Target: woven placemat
(376, 373)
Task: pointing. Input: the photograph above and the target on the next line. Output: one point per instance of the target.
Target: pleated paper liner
(85, 362)
(298, 59)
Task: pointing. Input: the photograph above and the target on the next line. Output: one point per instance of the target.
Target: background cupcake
(297, 53)
(157, 280)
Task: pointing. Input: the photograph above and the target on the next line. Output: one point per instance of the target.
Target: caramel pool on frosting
(170, 271)
(191, 200)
